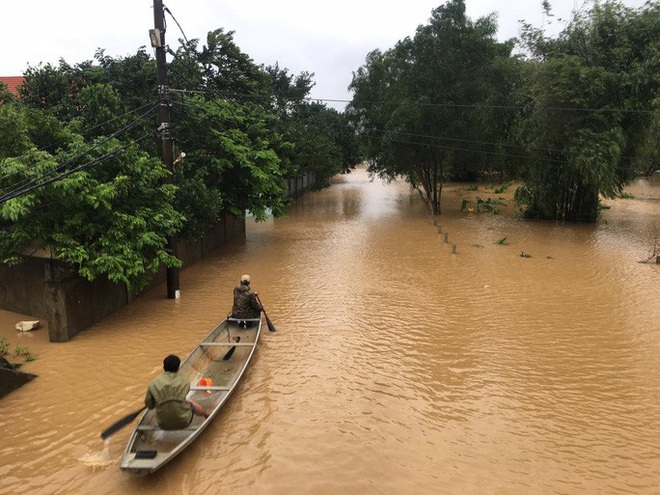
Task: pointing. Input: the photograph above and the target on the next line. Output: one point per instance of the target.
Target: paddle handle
(271, 327)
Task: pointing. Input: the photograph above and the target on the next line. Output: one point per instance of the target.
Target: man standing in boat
(246, 303)
(167, 394)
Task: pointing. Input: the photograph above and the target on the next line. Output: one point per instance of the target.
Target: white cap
(245, 278)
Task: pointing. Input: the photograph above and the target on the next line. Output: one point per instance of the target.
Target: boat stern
(142, 462)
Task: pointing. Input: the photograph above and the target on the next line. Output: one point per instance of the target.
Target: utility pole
(157, 36)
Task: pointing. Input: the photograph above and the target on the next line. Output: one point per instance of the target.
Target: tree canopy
(80, 169)
(418, 104)
(594, 103)
(574, 117)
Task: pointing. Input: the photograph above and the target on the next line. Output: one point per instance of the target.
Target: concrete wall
(52, 291)
(298, 186)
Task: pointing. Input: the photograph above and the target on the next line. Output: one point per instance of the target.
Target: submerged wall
(54, 292)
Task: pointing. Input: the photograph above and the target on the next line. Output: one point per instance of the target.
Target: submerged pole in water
(453, 249)
(446, 237)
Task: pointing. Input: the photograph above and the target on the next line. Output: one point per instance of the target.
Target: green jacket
(167, 394)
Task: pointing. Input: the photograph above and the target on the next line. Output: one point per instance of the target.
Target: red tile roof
(13, 83)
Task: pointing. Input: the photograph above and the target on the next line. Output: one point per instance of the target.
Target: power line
(419, 104)
(14, 194)
(25, 185)
(432, 105)
(504, 107)
(85, 132)
(28, 180)
(500, 153)
(177, 23)
(486, 143)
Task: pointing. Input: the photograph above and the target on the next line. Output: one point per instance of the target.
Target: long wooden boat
(213, 369)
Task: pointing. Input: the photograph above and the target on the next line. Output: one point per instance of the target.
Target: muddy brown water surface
(398, 367)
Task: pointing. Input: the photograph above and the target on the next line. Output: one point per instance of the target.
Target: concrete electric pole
(157, 36)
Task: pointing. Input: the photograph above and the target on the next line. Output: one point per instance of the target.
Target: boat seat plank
(236, 320)
(154, 428)
(212, 388)
(230, 344)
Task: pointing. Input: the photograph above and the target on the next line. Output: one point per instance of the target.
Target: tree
(79, 169)
(227, 133)
(90, 196)
(593, 91)
(14, 138)
(425, 107)
(107, 213)
(317, 139)
(5, 95)
(229, 164)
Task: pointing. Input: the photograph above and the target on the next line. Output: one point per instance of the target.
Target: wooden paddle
(121, 423)
(271, 327)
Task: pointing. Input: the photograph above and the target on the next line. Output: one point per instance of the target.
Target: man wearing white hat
(246, 304)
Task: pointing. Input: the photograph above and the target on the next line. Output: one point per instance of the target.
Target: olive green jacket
(167, 394)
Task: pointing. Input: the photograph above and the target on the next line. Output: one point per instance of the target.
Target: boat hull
(214, 369)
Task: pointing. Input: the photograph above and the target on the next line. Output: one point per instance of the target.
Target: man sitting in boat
(246, 303)
(167, 394)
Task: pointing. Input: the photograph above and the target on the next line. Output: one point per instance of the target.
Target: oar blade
(120, 424)
(230, 352)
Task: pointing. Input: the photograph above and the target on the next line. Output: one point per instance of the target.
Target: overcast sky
(329, 39)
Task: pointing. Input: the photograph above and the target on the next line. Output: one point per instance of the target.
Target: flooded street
(525, 363)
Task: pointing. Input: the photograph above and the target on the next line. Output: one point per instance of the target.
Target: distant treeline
(574, 117)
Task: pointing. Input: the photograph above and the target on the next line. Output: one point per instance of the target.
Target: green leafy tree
(317, 139)
(53, 89)
(229, 165)
(593, 91)
(226, 130)
(14, 138)
(228, 72)
(424, 107)
(109, 215)
(98, 196)
(5, 95)
(98, 203)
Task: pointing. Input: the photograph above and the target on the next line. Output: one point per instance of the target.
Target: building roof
(13, 83)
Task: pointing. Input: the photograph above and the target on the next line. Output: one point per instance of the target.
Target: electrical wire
(486, 143)
(29, 180)
(510, 107)
(83, 133)
(418, 104)
(454, 148)
(437, 105)
(26, 184)
(177, 22)
(6, 197)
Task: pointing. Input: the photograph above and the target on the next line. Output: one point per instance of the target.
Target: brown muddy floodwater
(398, 367)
